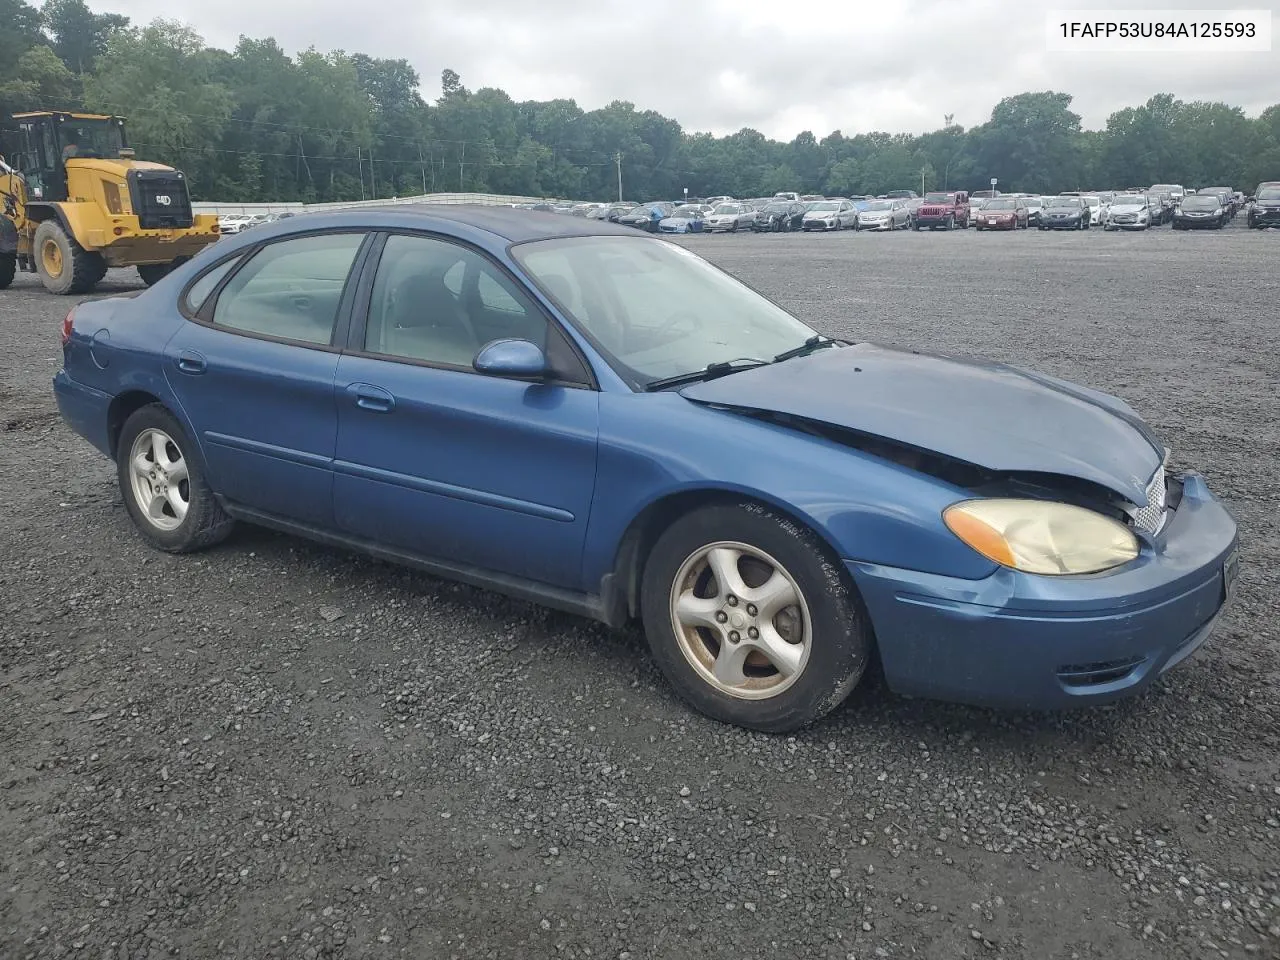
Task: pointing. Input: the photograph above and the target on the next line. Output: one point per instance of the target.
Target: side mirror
(511, 358)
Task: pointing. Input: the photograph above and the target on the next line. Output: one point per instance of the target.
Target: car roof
(505, 223)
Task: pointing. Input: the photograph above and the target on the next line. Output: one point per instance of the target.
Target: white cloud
(719, 65)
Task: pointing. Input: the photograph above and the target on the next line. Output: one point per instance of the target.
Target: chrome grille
(1151, 517)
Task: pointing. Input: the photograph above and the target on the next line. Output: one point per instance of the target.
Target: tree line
(253, 124)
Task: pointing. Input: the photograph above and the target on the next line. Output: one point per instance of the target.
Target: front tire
(163, 485)
(64, 266)
(747, 621)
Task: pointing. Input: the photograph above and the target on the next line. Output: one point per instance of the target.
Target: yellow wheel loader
(75, 201)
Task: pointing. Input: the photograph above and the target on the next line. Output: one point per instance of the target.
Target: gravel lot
(280, 750)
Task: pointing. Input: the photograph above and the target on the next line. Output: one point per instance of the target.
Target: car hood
(820, 214)
(1127, 207)
(994, 416)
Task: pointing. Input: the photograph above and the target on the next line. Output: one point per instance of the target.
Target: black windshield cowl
(709, 372)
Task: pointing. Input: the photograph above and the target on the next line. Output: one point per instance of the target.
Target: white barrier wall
(488, 199)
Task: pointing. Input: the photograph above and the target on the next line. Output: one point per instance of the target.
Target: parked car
(830, 215)
(1200, 211)
(1094, 203)
(232, 224)
(779, 216)
(943, 208)
(687, 218)
(1129, 212)
(1003, 213)
(647, 216)
(730, 217)
(1226, 197)
(480, 408)
(786, 195)
(1174, 191)
(1065, 213)
(1035, 206)
(1265, 210)
(883, 215)
(901, 195)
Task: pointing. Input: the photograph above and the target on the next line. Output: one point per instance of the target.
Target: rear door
(254, 369)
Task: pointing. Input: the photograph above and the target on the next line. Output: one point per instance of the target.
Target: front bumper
(1026, 642)
(84, 409)
(821, 224)
(1264, 218)
(885, 224)
(998, 224)
(1054, 224)
(1199, 223)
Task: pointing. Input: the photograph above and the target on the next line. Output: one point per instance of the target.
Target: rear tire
(728, 670)
(167, 496)
(64, 266)
(8, 268)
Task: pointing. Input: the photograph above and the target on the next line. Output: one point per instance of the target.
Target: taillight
(67, 325)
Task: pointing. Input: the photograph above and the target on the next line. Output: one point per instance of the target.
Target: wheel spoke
(159, 443)
(155, 506)
(775, 594)
(724, 565)
(141, 465)
(729, 663)
(695, 611)
(178, 470)
(176, 503)
(785, 657)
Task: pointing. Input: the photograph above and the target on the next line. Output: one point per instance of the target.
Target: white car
(1127, 212)
(884, 215)
(729, 217)
(232, 223)
(830, 215)
(1095, 208)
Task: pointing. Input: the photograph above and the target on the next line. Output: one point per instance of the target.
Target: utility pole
(462, 159)
(373, 176)
(422, 165)
(360, 171)
(617, 158)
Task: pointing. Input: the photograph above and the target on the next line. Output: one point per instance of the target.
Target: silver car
(884, 215)
(830, 215)
(1127, 212)
(729, 217)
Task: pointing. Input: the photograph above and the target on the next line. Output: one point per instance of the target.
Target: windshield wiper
(817, 341)
(711, 370)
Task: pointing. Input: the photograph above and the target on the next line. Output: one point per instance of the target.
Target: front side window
(290, 289)
(439, 302)
(655, 309)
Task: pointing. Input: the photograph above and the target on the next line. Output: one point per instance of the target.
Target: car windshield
(691, 210)
(1269, 194)
(654, 308)
(1072, 203)
(777, 208)
(938, 197)
(1199, 202)
(825, 205)
(728, 208)
(1000, 205)
(1128, 201)
(880, 205)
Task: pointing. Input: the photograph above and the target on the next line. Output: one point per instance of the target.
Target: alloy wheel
(159, 479)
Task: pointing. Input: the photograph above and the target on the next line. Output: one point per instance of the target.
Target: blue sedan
(601, 421)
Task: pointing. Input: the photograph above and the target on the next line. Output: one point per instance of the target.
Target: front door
(447, 463)
(254, 373)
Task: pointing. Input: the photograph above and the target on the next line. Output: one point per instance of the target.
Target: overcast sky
(780, 66)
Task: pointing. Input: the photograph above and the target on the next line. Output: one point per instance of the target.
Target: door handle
(369, 397)
(191, 362)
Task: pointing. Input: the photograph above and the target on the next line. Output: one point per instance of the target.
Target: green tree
(79, 35)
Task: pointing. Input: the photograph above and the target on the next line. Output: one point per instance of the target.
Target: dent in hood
(998, 417)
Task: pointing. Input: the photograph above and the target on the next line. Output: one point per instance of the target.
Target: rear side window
(290, 289)
(199, 291)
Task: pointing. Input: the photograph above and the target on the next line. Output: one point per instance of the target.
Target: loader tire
(64, 266)
(8, 267)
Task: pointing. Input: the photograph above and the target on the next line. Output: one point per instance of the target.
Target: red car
(1003, 213)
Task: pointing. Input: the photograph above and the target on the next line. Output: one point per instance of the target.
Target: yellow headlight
(1038, 536)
